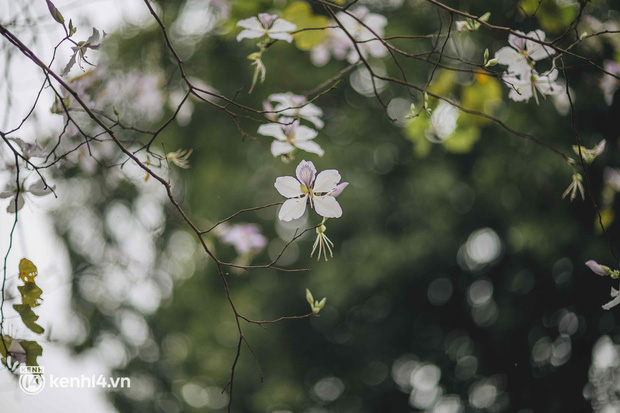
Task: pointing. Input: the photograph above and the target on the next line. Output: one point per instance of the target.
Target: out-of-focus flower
(575, 186)
(610, 84)
(524, 86)
(37, 189)
(443, 121)
(470, 25)
(360, 24)
(303, 188)
(297, 106)
(29, 150)
(612, 178)
(289, 135)
(266, 25)
(598, 268)
(245, 238)
(521, 56)
(616, 299)
(79, 51)
(590, 154)
(179, 158)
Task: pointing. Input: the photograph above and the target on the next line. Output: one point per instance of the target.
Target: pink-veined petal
(326, 181)
(288, 186)
(305, 173)
(596, 268)
(327, 206)
(280, 148)
(310, 146)
(292, 209)
(339, 188)
(272, 129)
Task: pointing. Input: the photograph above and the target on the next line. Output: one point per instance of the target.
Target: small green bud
(309, 298)
(491, 62)
(486, 56)
(485, 17)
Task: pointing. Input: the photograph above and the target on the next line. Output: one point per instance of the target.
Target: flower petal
(596, 267)
(280, 148)
(292, 209)
(39, 189)
(281, 25)
(327, 180)
(20, 204)
(272, 129)
(327, 206)
(251, 24)
(339, 188)
(305, 173)
(304, 133)
(616, 294)
(249, 34)
(288, 186)
(280, 36)
(310, 146)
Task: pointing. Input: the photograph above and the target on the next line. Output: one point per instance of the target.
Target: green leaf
(29, 317)
(27, 270)
(31, 294)
(33, 350)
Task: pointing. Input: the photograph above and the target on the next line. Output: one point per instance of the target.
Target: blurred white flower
(289, 135)
(10, 190)
(521, 56)
(245, 238)
(296, 106)
(443, 121)
(523, 87)
(266, 25)
(616, 299)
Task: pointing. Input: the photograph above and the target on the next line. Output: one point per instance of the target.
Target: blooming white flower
(524, 86)
(289, 135)
(10, 190)
(246, 238)
(80, 50)
(266, 25)
(179, 158)
(524, 52)
(296, 106)
(616, 299)
(319, 191)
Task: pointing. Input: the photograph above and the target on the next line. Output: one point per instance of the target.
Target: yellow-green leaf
(31, 294)
(29, 317)
(27, 270)
(300, 14)
(33, 350)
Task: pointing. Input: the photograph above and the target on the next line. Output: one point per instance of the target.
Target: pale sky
(34, 237)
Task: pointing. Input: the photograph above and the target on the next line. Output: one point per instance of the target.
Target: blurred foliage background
(457, 282)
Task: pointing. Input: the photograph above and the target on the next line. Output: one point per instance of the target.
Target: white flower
(10, 190)
(521, 56)
(590, 154)
(443, 121)
(266, 25)
(523, 87)
(305, 187)
(29, 150)
(179, 158)
(616, 299)
(610, 84)
(612, 178)
(368, 44)
(290, 135)
(297, 106)
(246, 238)
(79, 51)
